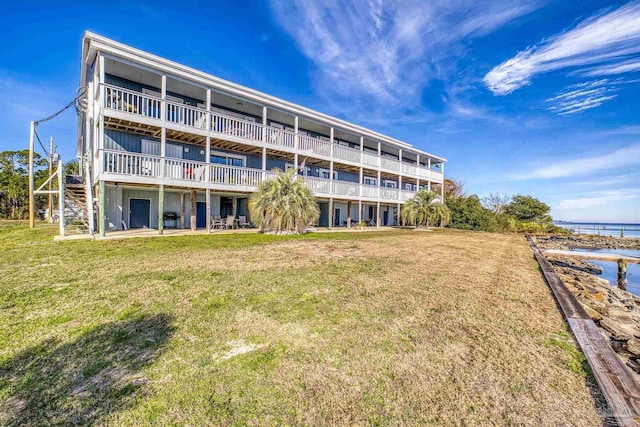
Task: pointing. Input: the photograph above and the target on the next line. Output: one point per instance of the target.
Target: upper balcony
(131, 105)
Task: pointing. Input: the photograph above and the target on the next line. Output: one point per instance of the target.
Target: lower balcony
(135, 168)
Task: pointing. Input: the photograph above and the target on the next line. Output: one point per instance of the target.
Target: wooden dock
(616, 381)
(598, 256)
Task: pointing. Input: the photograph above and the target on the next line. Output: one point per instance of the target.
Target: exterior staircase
(76, 214)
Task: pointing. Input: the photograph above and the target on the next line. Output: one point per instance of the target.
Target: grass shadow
(82, 381)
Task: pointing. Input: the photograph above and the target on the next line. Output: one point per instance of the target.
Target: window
(370, 181)
(174, 150)
(325, 174)
(408, 186)
(150, 147)
(227, 159)
(389, 184)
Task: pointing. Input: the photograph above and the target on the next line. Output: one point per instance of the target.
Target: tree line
(497, 212)
(14, 182)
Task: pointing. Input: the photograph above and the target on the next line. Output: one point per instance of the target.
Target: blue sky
(531, 97)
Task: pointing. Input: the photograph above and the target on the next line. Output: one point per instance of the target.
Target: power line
(40, 142)
(81, 94)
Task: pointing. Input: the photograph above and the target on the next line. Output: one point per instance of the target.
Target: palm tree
(424, 208)
(283, 204)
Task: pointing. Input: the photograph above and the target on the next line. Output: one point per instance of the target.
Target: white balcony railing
(132, 102)
(125, 163)
(280, 137)
(186, 115)
(345, 153)
(184, 172)
(232, 175)
(315, 145)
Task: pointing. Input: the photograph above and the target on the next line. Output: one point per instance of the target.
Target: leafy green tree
(425, 208)
(467, 213)
(527, 208)
(14, 182)
(71, 167)
(284, 204)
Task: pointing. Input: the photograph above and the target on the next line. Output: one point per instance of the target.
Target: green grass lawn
(388, 328)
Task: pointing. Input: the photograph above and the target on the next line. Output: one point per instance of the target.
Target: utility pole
(32, 200)
(50, 182)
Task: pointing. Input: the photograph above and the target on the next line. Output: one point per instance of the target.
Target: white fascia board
(103, 44)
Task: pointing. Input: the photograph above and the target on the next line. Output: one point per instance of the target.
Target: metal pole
(61, 197)
(50, 182)
(32, 200)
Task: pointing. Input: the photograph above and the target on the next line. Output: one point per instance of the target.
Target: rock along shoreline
(617, 312)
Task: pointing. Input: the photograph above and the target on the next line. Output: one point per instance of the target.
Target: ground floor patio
(146, 208)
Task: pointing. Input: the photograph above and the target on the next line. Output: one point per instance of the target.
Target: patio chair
(216, 221)
(231, 222)
(242, 220)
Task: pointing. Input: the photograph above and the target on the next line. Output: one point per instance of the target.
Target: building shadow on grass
(82, 381)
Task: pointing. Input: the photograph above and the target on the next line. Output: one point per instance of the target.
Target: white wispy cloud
(630, 66)
(606, 40)
(616, 159)
(387, 51)
(577, 98)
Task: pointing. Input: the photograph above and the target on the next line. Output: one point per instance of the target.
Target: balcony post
(194, 209)
(442, 185)
(182, 210)
(330, 213)
(295, 145)
(208, 208)
(397, 222)
(379, 157)
(331, 138)
(207, 119)
(359, 211)
(101, 205)
(361, 181)
(378, 215)
(264, 142)
(429, 168)
(417, 172)
(163, 134)
(161, 209)
(349, 214)
(400, 174)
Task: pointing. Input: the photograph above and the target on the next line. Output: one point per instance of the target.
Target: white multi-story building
(161, 140)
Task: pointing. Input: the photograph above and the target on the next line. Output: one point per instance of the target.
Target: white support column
(296, 144)
(361, 147)
(379, 158)
(163, 133)
(331, 138)
(442, 186)
(378, 215)
(208, 208)
(361, 181)
(208, 108)
(359, 211)
(398, 215)
(264, 141)
(331, 163)
(400, 175)
(418, 167)
(429, 168)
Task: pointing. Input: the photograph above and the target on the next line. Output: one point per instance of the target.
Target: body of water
(603, 229)
(610, 271)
